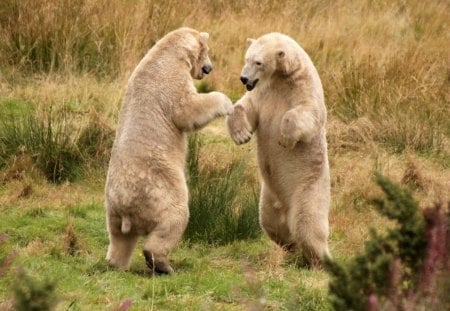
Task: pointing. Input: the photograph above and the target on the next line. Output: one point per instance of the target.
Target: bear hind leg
(315, 248)
(308, 221)
(272, 218)
(167, 233)
(120, 249)
(310, 229)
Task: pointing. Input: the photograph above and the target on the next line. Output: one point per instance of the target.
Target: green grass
(224, 262)
(47, 139)
(53, 138)
(15, 108)
(206, 278)
(220, 211)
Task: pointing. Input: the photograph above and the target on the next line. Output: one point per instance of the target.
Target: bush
(55, 139)
(33, 295)
(405, 269)
(220, 212)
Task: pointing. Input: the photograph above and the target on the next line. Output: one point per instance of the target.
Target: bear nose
(207, 69)
(244, 80)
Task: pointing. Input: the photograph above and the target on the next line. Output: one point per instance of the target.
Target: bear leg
(167, 233)
(120, 249)
(308, 222)
(272, 218)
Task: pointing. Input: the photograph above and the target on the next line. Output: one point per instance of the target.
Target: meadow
(64, 65)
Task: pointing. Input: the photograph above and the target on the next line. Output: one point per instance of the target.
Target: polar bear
(286, 110)
(146, 192)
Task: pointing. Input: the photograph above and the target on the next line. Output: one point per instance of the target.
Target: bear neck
(296, 77)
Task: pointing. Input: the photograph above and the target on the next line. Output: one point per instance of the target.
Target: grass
(63, 71)
(46, 139)
(195, 285)
(53, 139)
(219, 210)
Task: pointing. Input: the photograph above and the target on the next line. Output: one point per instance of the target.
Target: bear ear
(204, 35)
(283, 64)
(250, 41)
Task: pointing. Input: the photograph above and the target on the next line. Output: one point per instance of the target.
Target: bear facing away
(146, 192)
(285, 106)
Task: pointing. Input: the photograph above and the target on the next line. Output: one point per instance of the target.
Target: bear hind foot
(157, 266)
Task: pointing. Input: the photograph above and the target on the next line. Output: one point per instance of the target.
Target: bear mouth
(251, 85)
(200, 76)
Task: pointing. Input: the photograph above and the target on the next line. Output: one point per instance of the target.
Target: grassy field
(385, 67)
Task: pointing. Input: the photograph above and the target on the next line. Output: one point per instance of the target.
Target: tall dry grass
(382, 61)
(100, 37)
(384, 64)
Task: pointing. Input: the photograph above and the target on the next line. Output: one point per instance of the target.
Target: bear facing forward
(146, 192)
(285, 107)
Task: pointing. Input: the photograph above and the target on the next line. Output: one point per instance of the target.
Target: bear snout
(244, 80)
(207, 69)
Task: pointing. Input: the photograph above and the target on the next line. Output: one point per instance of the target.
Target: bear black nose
(244, 80)
(206, 69)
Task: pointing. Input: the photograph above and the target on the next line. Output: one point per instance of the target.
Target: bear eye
(258, 63)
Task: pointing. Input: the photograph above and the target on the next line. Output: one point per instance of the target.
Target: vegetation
(402, 270)
(220, 211)
(63, 71)
(31, 295)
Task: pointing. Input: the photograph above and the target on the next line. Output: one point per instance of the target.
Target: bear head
(201, 64)
(272, 55)
(194, 48)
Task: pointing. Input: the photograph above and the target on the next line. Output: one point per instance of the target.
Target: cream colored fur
(146, 192)
(286, 110)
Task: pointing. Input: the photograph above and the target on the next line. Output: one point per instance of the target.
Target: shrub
(33, 295)
(219, 210)
(405, 269)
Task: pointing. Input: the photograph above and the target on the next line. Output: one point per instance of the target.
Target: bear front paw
(238, 126)
(241, 136)
(287, 142)
(225, 104)
(228, 107)
(290, 133)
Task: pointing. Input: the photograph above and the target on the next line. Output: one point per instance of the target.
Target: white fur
(286, 110)
(146, 192)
